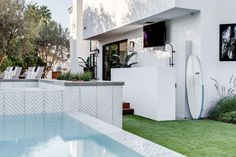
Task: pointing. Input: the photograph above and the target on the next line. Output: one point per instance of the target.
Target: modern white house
(154, 88)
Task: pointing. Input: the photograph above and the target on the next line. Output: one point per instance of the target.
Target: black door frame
(103, 54)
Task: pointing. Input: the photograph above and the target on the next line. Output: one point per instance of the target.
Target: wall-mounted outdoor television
(154, 34)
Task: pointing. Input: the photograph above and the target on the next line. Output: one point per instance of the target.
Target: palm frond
(133, 63)
(128, 57)
(82, 59)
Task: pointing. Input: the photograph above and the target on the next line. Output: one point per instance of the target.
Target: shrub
(68, 76)
(228, 117)
(5, 63)
(224, 109)
(86, 76)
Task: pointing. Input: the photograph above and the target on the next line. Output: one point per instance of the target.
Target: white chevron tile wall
(102, 102)
(88, 98)
(14, 102)
(1, 128)
(34, 102)
(71, 99)
(53, 101)
(1, 103)
(117, 96)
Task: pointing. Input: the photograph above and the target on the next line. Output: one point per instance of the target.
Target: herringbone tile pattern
(104, 104)
(117, 98)
(53, 101)
(89, 100)
(71, 99)
(101, 102)
(34, 102)
(14, 102)
(1, 103)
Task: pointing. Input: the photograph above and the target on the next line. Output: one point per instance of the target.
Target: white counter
(150, 90)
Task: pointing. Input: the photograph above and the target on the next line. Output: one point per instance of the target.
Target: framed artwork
(228, 42)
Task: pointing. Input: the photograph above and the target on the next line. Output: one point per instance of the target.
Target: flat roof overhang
(163, 16)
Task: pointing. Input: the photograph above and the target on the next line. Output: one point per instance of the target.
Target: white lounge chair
(30, 73)
(34, 73)
(39, 72)
(16, 72)
(8, 73)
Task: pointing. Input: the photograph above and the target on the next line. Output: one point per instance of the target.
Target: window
(109, 50)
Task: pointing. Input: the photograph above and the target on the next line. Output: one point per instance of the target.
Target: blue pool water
(55, 135)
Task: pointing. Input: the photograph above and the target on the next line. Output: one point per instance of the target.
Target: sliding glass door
(109, 50)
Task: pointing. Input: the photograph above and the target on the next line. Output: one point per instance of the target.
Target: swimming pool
(48, 118)
(55, 135)
(71, 135)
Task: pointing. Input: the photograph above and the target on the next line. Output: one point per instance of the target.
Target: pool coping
(68, 83)
(131, 141)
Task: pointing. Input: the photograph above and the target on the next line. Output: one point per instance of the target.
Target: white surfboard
(195, 88)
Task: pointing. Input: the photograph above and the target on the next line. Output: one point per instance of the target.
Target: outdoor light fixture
(131, 46)
(165, 53)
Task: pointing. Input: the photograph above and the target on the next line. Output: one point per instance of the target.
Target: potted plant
(117, 61)
(87, 65)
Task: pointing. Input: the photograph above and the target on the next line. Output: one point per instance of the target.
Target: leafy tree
(53, 44)
(11, 27)
(29, 36)
(45, 14)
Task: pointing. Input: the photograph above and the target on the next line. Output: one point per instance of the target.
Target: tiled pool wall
(101, 100)
(41, 126)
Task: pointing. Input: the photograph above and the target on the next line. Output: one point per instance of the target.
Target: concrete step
(126, 105)
(128, 111)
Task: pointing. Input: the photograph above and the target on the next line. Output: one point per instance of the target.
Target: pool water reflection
(55, 135)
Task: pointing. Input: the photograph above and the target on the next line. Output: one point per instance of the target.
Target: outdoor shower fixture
(165, 53)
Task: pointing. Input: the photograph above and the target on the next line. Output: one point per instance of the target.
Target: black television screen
(155, 35)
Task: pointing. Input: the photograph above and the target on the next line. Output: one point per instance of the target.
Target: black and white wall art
(228, 42)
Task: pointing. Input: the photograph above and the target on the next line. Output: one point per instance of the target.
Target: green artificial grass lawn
(193, 138)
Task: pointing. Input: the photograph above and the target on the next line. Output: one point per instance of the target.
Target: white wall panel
(104, 103)
(89, 100)
(34, 101)
(14, 102)
(71, 99)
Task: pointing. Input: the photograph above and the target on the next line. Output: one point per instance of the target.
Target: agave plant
(86, 63)
(117, 60)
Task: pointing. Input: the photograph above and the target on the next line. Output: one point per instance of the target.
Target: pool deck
(133, 142)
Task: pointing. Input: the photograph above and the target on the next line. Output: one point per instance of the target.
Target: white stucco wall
(145, 56)
(202, 29)
(103, 15)
(78, 46)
